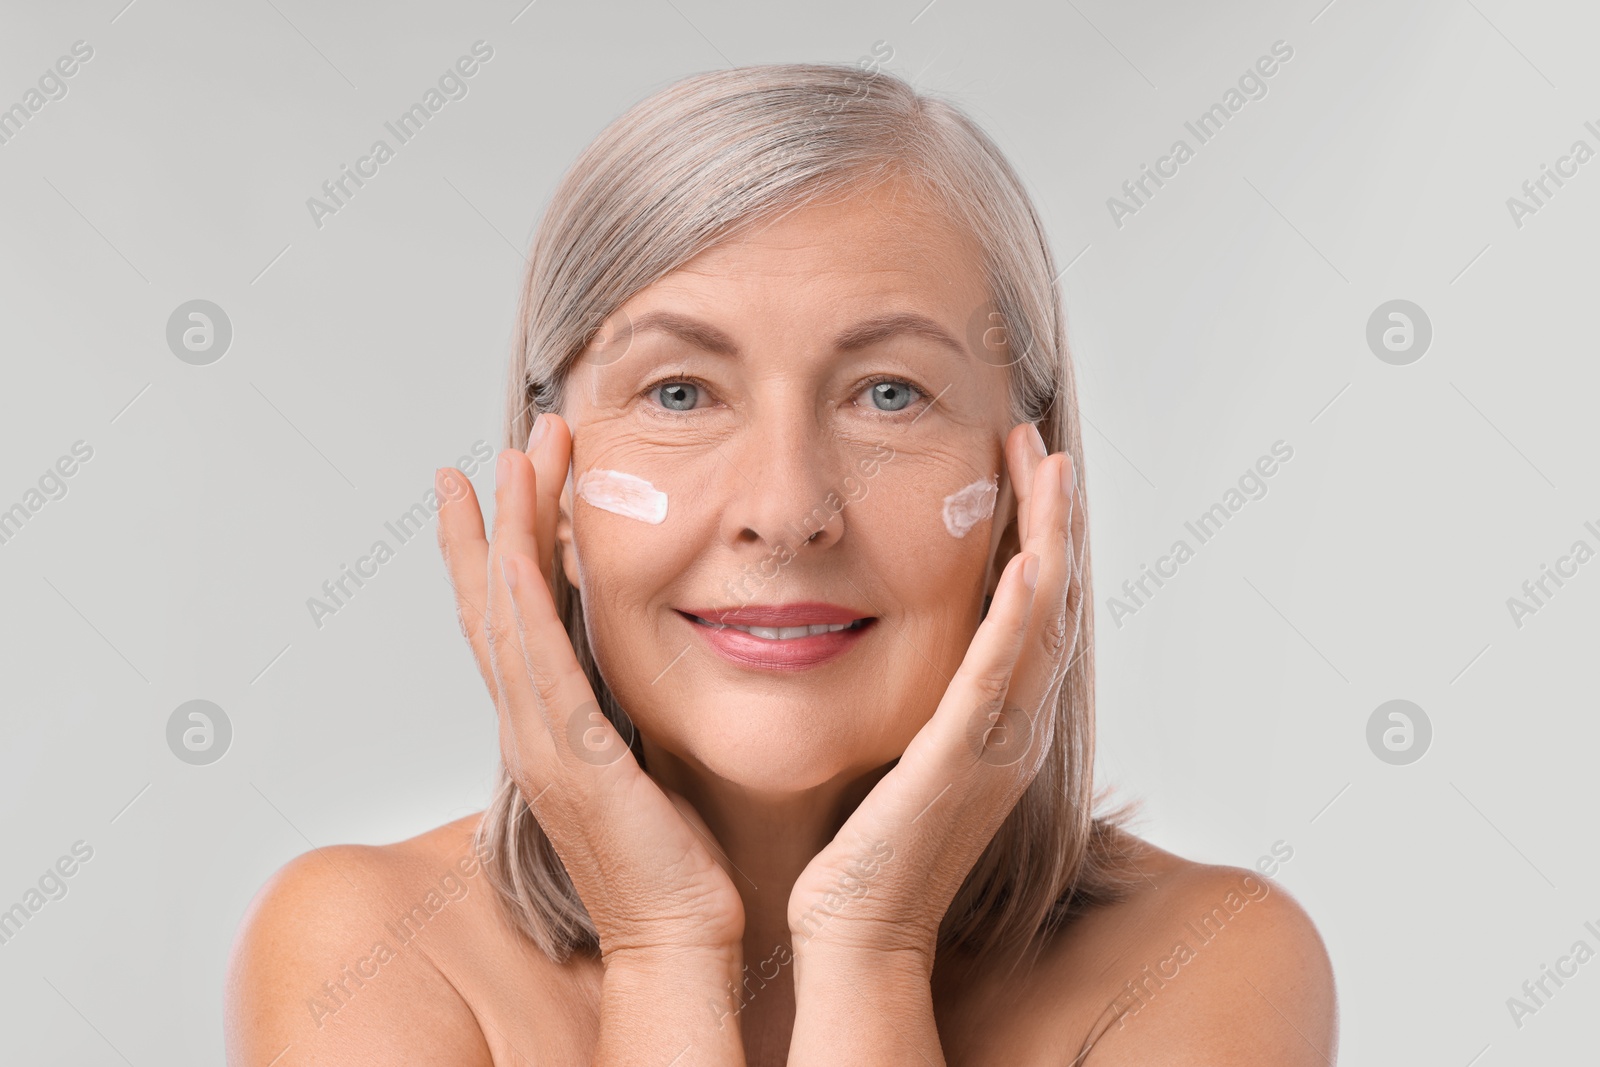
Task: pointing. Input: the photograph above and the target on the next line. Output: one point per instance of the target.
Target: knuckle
(1053, 634)
(503, 645)
(1061, 540)
(1075, 601)
(988, 684)
(462, 623)
(494, 636)
(527, 784)
(546, 684)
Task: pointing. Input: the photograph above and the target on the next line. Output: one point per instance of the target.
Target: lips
(786, 633)
(780, 636)
(799, 613)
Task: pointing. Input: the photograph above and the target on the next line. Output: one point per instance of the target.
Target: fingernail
(452, 484)
(438, 483)
(502, 471)
(1030, 571)
(509, 573)
(1069, 477)
(540, 426)
(1038, 442)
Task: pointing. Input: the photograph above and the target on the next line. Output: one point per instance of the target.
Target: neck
(767, 837)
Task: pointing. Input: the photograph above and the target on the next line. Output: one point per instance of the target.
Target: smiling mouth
(781, 633)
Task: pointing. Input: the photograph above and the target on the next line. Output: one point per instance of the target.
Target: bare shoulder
(1202, 964)
(338, 958)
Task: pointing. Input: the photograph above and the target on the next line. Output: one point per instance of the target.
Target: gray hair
(706, 158)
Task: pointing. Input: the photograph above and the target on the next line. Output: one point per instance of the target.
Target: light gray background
(1229, 313)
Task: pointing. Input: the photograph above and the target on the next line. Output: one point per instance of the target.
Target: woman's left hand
(880, 889)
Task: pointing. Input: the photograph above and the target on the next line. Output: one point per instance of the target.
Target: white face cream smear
(624, 494)
(965, 508)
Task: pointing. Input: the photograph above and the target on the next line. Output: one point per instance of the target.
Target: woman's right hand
(641, 860)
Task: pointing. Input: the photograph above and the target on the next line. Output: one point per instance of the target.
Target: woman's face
(764, 394)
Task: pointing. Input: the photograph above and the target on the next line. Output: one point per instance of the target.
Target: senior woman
(786, 616)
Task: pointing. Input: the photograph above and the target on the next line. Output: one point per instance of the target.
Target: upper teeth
(786, 633)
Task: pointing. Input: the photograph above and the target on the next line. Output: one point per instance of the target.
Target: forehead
(874, 241)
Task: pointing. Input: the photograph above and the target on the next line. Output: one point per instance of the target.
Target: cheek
(633, 536)
(638, 527)
(631, 490)
(623, 494)
(970, 506)
(949, 491)
(925, 520)
(624, 568)
(626, 476)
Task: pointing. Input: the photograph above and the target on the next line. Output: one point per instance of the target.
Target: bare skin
(473, 992)
(767, 788)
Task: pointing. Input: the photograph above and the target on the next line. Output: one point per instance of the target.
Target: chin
(774, 745)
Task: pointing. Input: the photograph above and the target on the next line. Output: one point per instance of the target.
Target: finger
(1052, 630)
(551, 702)
(513, 532)
(947, 801)
(550, 449)
(465, 551)
(514, 506)
(1025, 450)
(974, 704)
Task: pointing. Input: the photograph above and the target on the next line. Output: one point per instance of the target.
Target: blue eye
(891, 395)
(678, 396)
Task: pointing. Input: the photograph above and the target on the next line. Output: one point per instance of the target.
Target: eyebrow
(863, 334)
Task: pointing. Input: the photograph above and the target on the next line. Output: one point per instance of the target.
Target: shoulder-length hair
(706, 158)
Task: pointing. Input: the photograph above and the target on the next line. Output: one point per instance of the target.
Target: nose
(784, 488)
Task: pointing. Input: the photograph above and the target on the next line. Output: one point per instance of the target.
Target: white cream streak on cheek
(623, 494)
(965, 508)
